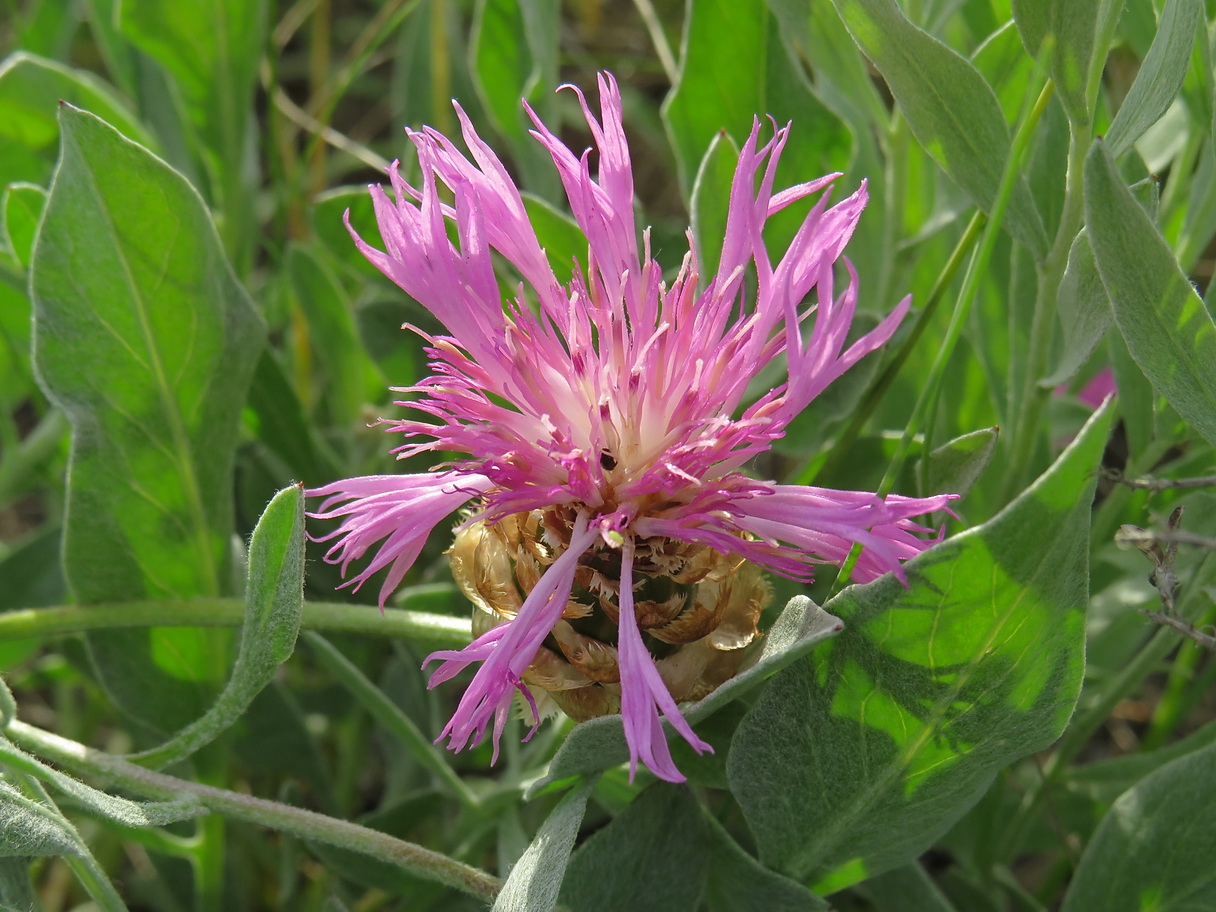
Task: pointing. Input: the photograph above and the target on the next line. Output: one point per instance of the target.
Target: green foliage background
(189, 335)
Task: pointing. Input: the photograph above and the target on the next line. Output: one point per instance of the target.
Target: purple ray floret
(618, 397)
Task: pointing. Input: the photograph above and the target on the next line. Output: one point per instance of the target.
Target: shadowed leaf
(858, 756)
(1164, 322)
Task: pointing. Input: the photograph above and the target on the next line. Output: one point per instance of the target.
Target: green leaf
(1167, 328)
(652, 858)
(1084, 311)
(956, 466)
(31, 88)
(718, 92)
(1074, 25)
(8, 705)
(1003, 63)
(739, 883)
(16, 891)
(1137, 398)
(906, 889)
(1154, 849)
(145, 339)
(1104, 780)
(21, 208)
(1199, 85)
(951, 110)
(535, 881)
(840, 73)
(711, 198)
(513, 55)
(389, 715)
(282, 426)
(211, 50)
(29, 829)
(856, 758)
(1160, 75)
(348, 375)
(274, 601)
(813, 34)
(600, 743)
(33, 577)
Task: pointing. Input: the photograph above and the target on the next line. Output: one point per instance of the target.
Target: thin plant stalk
(332, 617)
(309, 825)
(926, 404)
(388, 714)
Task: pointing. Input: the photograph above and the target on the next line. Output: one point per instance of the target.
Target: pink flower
(619, 399)
(1094, 392)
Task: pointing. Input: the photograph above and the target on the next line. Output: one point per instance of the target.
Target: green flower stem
(207, 859)
(658, 38)
(208, 852)
(381, 26)
(1027, 427)
(926, 404)
(925, 411)
(332, 617)
(388, 714)
(309, 825)
(1176, 698)
(838, 449)
(926, 407)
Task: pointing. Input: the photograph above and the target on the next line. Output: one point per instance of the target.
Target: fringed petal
(643, 693)
(397, 510)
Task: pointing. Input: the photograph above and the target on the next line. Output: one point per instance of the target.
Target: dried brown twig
(1148, 483)
(1164, 576)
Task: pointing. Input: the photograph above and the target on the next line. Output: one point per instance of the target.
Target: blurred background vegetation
(280, 114)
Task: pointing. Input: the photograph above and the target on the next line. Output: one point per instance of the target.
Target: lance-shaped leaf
(716, 92)
(951, 110)
(211, 50)
(274, 600)
(513, 55)
(30, 88)
(1164, 322)
(1084, 311)
(144, 338)
(1078, 29)
(30, 830)
(652, 858)
(1160, 76)
(536, 879)
(956, 465)
(857, 757)
(21, 206)
(1154, 849)
(739, 883)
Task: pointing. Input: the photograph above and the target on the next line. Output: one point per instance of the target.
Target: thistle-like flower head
(612, 410)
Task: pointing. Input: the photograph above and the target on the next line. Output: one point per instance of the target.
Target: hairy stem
(333, 617)
(423, 862)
